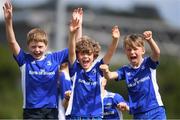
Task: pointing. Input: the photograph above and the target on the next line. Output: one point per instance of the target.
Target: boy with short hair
(86, 100)
(140, 76)
(39, 71)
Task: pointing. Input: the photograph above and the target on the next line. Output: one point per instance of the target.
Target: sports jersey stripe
(156, 88)
(119, 114)
(102, 101)
(23, 83)
(69, 109)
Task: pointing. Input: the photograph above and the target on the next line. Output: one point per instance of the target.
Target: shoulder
(23, 55)
(148, 62)
(110, 94)
(95, 66)
(117, 95)
(124, 67)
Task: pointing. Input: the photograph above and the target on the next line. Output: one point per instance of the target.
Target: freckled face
(37, 49)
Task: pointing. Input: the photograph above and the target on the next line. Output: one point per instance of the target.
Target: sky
(168, 9)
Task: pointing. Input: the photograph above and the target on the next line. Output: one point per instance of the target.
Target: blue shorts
(156, 113)
(82, 118)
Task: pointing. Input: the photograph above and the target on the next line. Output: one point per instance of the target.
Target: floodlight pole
(60, 36)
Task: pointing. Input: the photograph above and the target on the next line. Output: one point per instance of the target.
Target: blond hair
(37, 35)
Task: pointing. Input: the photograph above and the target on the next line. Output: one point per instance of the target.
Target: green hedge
(10, 93)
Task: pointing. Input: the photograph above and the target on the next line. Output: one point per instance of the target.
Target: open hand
(115, 32)
(7, 8)
(74, 25)
(78, 14)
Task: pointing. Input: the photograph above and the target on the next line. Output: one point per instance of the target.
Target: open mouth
(133, 58)
(37, 55)
(85, 63)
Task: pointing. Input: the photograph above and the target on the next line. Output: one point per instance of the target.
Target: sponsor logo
(49, 63)
(87, 82)
(41, 72)
(138, 81)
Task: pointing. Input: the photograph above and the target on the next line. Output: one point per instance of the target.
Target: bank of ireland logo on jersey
(49, 63)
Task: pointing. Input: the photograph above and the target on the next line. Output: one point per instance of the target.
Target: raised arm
(73, 27)
(12, 43)
(108, 74)
(113, 45)
(154, 47)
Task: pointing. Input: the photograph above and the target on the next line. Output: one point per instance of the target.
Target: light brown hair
(37, 35)
(88, 45)
(134, 40)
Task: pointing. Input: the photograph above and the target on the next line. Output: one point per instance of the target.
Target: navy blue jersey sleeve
(118, 98)
(20, 58)
(100, 63)
(61, 56)
(73, 67)
(121, 73)
(65, 84)
(150, 63)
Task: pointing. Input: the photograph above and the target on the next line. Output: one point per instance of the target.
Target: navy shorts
(40, 113)
(156, 113)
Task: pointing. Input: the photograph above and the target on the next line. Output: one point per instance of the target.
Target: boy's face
(85, 59)
(134, 55)
(37, 49)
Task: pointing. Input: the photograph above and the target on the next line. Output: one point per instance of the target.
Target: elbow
(156, 55)
(159, 52)
(108, 77)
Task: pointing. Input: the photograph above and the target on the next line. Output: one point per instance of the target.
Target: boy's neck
(137, 66)
(90, 67)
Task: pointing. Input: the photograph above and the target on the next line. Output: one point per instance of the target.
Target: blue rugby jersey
(39, 78)
(65, 83)
(110, 102)
(142, 86)
(86, 99)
